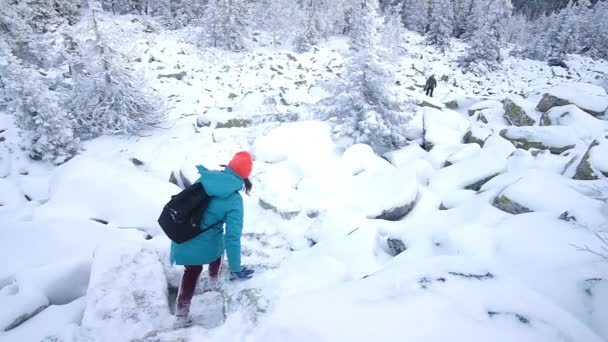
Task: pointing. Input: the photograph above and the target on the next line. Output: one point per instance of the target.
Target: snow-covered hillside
(472, 232)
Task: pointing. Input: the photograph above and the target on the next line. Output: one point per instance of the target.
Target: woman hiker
(225, 207)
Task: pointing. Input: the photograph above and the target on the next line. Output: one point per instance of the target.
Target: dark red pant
(188, 285)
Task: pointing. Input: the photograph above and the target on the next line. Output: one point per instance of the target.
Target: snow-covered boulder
(90, 188)
(545, 192)
(487, 104)
(403, 157)
(598, 157)
(588, 97)
(296, 166)
(32, 290)
(556, 139)
(473, 172)
(584, 124)
(381, 190)
(127, 294)
(516, 114)
(443, 127)
(593, 162)
(482, 302)
(467, 151)
(11, 196)
(477, 134)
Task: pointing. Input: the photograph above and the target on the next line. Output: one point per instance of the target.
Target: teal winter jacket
(225, 206)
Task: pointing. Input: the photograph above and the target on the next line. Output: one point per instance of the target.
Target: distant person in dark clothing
(431, 84)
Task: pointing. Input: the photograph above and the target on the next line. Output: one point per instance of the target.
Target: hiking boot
(182, 322)
(182, 309)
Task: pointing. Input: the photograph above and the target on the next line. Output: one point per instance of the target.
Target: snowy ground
(485, 252)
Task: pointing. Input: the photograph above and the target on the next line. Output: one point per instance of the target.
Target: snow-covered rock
(381, 190)
(481, 304)
(584, 170)
(487, 104)
(472, 172)
(127, 294)
(588, 97)
(10, 195)
(443, 127)
(405, 156)
(478, 133)
(544, 192)
(598, 157)
(467, 151)
(584, 124)
(556, 139)
(90, 188)
(55, 323)
(516, 114)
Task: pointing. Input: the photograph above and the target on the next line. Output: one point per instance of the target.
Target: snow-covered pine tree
(9, 78)
(392, 30)
(225, 24)
(595, 31)
(48, 14)
(474, 14)
(272, 17)
(108, 97)
(46, 129)
(461, 10)
(363, 110)
(309, 33)
(440, 28)
(564, 34)
(415, 15)
(485, 44)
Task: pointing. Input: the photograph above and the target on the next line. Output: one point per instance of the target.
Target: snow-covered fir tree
(48, 14)
(563, 34)
(46, 128)
(485, 44)
(461, 12)
(109, 98)
(595, 31)
(415, 15)
(225, 23)
(272, 17)
(363, 110)
(440, 28)
(392, 30)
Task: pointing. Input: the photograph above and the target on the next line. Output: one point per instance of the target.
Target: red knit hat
(241, 164)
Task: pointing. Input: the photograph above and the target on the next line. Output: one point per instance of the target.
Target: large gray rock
(397, 213)
(395, 246)
(516, 115)
(584, 170)
(177, 76)
(549, 101)
(507, 205)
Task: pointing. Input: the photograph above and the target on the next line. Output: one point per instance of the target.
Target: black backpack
(181, 217)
